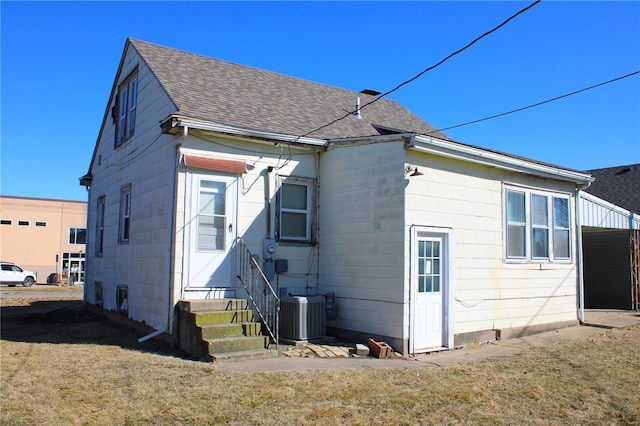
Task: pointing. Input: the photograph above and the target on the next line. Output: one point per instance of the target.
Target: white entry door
(429, 285)
(211, 231)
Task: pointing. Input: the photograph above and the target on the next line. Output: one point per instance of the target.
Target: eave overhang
(449, 149)
(86, 180)
(176, 124)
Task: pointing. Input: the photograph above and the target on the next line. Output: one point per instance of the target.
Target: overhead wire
(421, 73)
(566, 95)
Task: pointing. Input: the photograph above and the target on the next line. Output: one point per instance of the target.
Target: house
(424, 242)
(610, 224)
(44, 235)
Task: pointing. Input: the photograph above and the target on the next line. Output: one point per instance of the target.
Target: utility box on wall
(302, 317)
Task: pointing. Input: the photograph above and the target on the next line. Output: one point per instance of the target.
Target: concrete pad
(611, 318)
(436, 360)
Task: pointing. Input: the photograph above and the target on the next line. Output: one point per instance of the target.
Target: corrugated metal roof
(598, 213)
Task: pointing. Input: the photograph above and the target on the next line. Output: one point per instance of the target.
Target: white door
(212, 231)
(429, 281)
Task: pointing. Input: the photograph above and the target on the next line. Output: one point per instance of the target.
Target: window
(6, 221)
(77, 235)
(40, 223)
(125, 214)
(125, 109)
(23, 223)
(530, 232)
(539, 226)
(212, 218)
(429, 274)
(122, 298)
(295, 209)
(561, 230)
(100, 226)
(99, 293)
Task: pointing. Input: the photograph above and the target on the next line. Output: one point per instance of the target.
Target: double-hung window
(125, 112)
(537, 225)
(125, 214)
(295, 209)
(100, 226)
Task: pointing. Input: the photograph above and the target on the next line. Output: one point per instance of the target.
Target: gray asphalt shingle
(619, 185)
(250, 98)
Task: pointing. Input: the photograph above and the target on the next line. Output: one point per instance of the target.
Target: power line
(421, 73)
(534, 105)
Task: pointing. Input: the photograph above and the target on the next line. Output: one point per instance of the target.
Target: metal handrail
(264, 299)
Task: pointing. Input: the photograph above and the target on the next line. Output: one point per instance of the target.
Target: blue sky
(59, 60)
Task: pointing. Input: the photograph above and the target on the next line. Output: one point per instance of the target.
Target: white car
(13, 275)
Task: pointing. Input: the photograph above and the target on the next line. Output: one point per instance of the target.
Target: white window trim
(310, 211)
(528, 258)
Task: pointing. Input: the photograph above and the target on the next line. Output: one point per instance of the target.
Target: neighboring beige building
(44, 236)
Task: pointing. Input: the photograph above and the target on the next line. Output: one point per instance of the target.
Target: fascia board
(476, 155)
(221, 128)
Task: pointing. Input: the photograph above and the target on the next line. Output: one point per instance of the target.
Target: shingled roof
(224, 93)
(619, 185)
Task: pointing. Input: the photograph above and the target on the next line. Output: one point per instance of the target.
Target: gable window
(125, 214)
(77, 235)
(295, 209)
(100, 226)
(125, 110)
(537, 225)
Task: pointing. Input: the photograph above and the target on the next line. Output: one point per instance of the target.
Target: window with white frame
(125, 214)
(537, 225)
(295, 209)
(77, 235)
(125, 109)
(100, 226)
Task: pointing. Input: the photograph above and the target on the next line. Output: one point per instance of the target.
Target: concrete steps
(217, 329)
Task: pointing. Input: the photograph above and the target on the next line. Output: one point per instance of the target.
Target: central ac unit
(302, 317)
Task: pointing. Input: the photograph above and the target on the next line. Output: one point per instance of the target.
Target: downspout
(579, 254)
(170, 251)
(185, 133)
(86, 251)
(171, 233)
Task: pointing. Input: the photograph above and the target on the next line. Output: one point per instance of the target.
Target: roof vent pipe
(357, 111)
